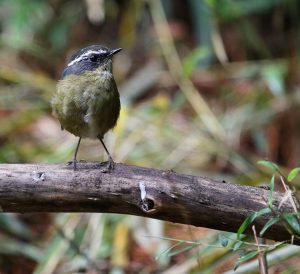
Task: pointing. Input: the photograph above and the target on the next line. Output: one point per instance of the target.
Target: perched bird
(86, 101)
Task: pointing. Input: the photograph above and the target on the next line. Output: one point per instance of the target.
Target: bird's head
(89, 59)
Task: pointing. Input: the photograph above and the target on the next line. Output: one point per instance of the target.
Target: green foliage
(246, 91)
(26, 20)
(229, 10)
(293, 173)
(169, 251)
(223, 240)
(293, 221)
(238, 244)
(13, 247)
(268, 224)
(272, 166)
(250, 219)
(191, 62)
(22, 20)
(245, 257)
(274, 77)
(270, 198)
(11, 224)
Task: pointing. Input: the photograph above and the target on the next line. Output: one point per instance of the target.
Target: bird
(86, 101)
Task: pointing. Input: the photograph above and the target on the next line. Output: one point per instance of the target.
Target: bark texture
(164, 195)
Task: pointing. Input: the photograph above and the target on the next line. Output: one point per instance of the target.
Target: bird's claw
(109, 167)
(74, 163)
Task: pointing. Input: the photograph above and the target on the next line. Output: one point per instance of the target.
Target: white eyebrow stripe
(82, 56)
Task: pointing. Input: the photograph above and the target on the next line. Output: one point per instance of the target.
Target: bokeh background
(208, 87)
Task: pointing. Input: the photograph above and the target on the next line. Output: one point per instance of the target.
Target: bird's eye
(94, 58)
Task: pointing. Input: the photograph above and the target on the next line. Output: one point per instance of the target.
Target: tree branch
(152, 193)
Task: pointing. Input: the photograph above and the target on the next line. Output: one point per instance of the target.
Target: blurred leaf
(229, 10)
(179, 251)
(270, 198)
(191, 62)
(253, 40)
(293, 173)
(58, 245)
(223, 240)
(22, 21)
(274, 76)
(245, 257)
(269, 165)
(292, 221)
(10, 246)
(250, 219)
(10, 223)
(166, 251)
(237, 245)
(268, 225)
(52, 254)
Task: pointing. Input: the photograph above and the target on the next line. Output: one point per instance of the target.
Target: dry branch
(164, 195)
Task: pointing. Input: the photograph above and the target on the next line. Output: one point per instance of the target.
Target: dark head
(88, 59)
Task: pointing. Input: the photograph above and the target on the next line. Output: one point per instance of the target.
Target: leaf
(293, 173)
(250, 219)
(11, 224)
(237, 245)
(269, 165)
(270, 199)
(244, 225)
(168, 250)
(184, 249)
(292, 221)
(263, 211)
(223, 240)
(268, 224)
(245, 257)
(13, 247)
(192, 61)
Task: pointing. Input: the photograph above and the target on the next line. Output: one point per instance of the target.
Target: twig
(263, 264)
(288, 195)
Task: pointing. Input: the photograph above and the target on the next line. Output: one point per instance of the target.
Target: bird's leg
(111, 163)
(75, 155)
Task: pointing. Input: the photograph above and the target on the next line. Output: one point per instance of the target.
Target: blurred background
(207, 87)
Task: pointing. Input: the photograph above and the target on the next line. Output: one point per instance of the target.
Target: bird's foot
(74, 163)
(110, 166)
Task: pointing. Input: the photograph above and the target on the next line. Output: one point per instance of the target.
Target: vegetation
(208, 88)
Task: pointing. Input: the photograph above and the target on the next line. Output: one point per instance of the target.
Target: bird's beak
(114, 51)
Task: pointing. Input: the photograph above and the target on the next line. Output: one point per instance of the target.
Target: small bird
(87, 101)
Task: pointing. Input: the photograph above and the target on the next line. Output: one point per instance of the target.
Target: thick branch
(163, 195)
